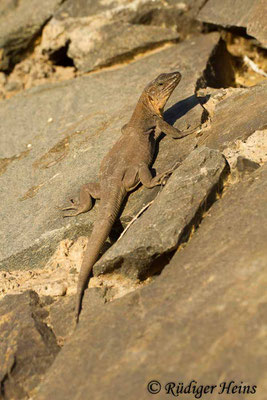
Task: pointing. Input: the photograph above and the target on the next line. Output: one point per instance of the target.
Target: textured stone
(162, 227)
(111, 42)
(204, 318)
(245, 167)
(249, 14)
(58, 135)
(98, 34)
(257, 24)
(95, 34)
(235, 117)
(28, 347)
(20, 22)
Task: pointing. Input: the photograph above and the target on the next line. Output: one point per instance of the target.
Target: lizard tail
(108, 211)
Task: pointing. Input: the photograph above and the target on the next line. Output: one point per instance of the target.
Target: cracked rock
(240, 13)
(95, 34)
(20, 22)
(160, 229)
(28, 347)
(205, 316)
(61, 132)
(236, 116)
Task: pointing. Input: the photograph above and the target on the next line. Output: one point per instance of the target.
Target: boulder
(203, 319)
(171, 216)
(20, 23)
(234, 114)
(58, 135)
(248, 14)
(97, 34)
(28, 345)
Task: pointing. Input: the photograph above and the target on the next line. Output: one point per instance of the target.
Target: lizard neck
(144, 113)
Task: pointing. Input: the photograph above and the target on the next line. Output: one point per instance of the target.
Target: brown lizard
(124, 167)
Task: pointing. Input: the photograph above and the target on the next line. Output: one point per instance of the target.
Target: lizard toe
(71, 215)
(69, 208)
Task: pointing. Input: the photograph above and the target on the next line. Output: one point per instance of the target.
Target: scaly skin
(124, 167)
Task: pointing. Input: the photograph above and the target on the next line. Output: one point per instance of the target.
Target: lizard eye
(160, 84)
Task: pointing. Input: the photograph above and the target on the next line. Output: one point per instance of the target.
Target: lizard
(126, 165)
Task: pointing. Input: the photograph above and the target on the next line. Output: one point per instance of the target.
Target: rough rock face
(209, 305)
(249, 14)
(181, 296)
(235, 117)
(96, 34)
(28, 347)
(164, 224)
(60, 133)
(88, 52)
(19, 24)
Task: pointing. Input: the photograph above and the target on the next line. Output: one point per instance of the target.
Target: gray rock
(96, 34)
(20, 22)
(257, 25)
(111, 42)
(58, 135)
(204, 318)
(236, 116)
(244, 167)
(247, 14)
(28, 346)
(162, 227)
(62, 312)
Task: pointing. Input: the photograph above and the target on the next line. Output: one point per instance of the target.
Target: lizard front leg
(88, 192)
(163, 126)
(148, 181)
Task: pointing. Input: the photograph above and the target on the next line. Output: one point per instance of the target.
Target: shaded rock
(168, 219)
(204, 318)
(236, 116)
(95, 34)
(242, 13)
(245, 167)
(20, 22)
(59, 135)
(28, 346)
(62, 312)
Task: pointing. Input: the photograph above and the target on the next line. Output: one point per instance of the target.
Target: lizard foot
(168, 173)
(78, 207)
(73, 206)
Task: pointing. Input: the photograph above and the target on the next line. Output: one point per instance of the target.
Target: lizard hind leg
(88, 192)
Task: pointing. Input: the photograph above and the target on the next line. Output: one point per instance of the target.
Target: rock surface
(203, 319)
(235, 117)
(199, 312)
(28, 347)
(20, 22)
(123, 40)
(253, 148)
(249, 14)
(60, 133)
(96, 34)
(162, 227)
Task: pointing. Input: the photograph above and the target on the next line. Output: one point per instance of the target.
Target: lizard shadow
(179, 109)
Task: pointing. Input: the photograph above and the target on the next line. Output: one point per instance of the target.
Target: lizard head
(159, 90)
